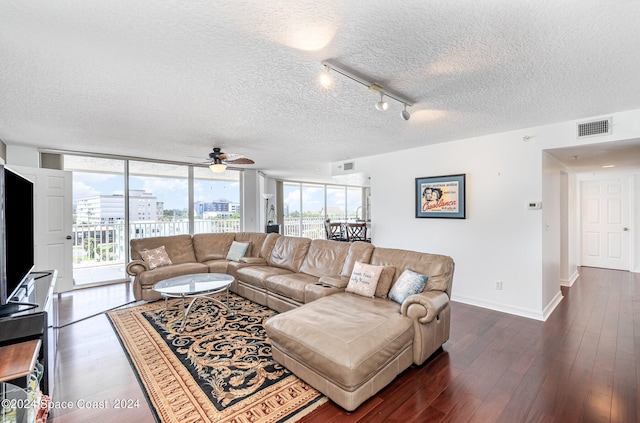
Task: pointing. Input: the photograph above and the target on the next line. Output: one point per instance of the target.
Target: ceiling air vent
(596, 127)
(348, 166)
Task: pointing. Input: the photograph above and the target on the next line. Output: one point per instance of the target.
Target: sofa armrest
(136, 267)
(425, 306)
(253, 260)
(335, 281)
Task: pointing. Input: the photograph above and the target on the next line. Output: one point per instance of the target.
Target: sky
(172, 191)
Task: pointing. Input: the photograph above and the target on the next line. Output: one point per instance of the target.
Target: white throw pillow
(157, 257)
(364, 279)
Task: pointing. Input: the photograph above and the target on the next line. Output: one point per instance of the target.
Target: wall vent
(348, 166)
(593, 128)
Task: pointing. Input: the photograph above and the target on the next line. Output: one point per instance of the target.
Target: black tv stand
(13, 308)
(34, 318)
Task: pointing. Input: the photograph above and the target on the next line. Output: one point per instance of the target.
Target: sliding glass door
(99, 244)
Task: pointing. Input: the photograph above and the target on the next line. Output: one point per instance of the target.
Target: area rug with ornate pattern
(219, 369)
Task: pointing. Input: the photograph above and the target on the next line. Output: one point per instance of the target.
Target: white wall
(23, 156)
(251, 201)
(552, 255)
(500, 240)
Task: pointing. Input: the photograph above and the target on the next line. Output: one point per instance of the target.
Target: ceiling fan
(219, 160)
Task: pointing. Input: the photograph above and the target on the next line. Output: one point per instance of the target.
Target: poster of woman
(441, 196)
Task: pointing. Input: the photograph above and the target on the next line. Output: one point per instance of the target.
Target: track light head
(325, 78)
(405, 115)
(382, 105)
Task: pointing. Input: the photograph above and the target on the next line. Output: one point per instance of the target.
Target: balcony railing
(105, 244)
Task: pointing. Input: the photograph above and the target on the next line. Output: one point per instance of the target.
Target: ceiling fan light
(218, 167)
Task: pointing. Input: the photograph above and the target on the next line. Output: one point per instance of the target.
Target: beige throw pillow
(384, 283)
(157, 257)
(364, 279)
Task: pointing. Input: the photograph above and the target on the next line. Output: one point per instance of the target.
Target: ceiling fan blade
(241, 160)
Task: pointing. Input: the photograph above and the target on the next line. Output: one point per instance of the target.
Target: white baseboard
(552, 305)
(522, 312)
(572, 279)
(504, 308)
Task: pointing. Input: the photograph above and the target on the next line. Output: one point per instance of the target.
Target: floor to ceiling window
(99, 250)
(307, 206)
(336, 203)
(158, 203)
(158, 199)
(216, 201)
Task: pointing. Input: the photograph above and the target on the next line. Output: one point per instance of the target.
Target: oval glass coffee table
(199, 285)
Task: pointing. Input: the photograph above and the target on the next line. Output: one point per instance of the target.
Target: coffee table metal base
(206, 286)
(206, 296)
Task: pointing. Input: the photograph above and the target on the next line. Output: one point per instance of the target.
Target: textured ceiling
(169, 80)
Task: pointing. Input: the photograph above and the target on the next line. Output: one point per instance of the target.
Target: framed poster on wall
(441, 197)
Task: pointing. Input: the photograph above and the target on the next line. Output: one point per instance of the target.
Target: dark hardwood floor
(581, 365)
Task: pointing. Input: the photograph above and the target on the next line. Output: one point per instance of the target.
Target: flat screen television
(16, 237)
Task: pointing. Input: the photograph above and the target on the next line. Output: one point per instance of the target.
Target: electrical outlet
(499, 285)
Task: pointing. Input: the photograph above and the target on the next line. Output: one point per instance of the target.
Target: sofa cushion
(288, 252)
(257, 275)
(179, 247)
(237, 250)
(364, 279)
(439, 268)
(358, 251)
(409, 283)
(290, 285)
(261, 243)
(348, 350)
(218, 266)
(157, 257)
(213, 246)
(325, 257)
(150, 277)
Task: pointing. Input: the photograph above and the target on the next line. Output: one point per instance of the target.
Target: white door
(53, 222)
(605, 223)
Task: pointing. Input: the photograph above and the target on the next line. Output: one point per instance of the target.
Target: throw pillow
(237, 250)
(384, 283)
(408, 283)
(157, 257)
(364, 279)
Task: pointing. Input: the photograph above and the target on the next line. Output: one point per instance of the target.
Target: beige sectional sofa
(345, 345)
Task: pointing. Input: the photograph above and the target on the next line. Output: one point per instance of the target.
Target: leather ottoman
(346, 346)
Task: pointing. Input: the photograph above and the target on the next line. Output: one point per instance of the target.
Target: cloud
(83, 190)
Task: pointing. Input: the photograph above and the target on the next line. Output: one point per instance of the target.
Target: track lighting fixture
(325, 77)
(382, 105)
(405, 115)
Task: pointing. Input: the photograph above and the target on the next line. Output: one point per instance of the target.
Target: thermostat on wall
(534, 205)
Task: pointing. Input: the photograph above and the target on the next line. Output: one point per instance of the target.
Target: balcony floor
(93, 275)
